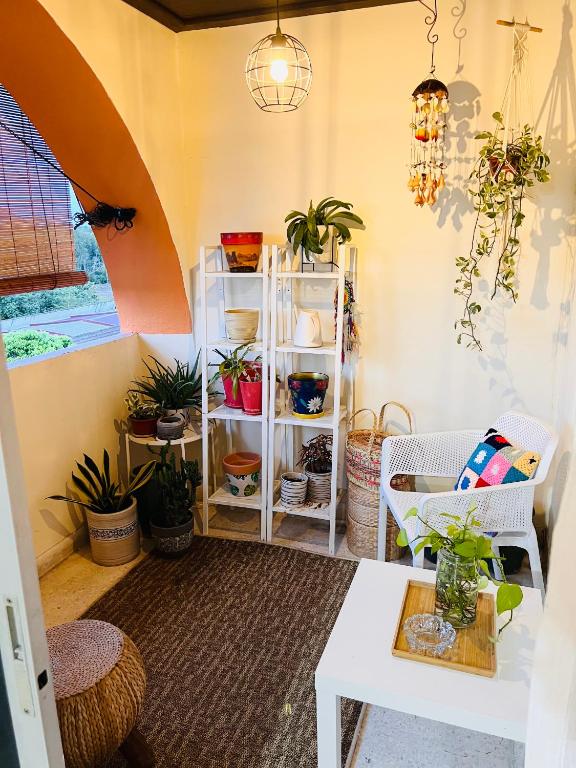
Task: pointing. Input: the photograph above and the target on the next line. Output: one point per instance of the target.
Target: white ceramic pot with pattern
(114, 537)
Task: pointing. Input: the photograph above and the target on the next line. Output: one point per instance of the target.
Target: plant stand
(284, 357)
(217, 281)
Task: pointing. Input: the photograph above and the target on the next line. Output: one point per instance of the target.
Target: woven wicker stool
(99, 681)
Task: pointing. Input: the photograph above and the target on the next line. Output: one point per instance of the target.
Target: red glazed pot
(251, 397)
(230, 400)
(242, 250)
(143, 427)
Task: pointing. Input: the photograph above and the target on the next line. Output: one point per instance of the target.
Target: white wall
(351, 139)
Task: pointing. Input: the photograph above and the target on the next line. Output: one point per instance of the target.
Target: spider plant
(235, 365)
(304, 229)
(172, 388)
(103, 495)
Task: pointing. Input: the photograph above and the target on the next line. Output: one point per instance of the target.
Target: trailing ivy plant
(502, 175)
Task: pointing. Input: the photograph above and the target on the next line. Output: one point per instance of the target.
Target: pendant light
(278, 71)
(430, 106)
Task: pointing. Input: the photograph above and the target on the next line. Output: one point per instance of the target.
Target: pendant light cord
(278, 32)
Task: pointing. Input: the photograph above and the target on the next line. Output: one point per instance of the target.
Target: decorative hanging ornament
(278, 71)
(430, 107)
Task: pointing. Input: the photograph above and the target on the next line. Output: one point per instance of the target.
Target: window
(54, 288)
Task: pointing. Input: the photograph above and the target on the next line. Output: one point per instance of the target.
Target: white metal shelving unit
(280, 414)
(222, 277)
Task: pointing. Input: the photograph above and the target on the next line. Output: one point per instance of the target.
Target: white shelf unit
(220, 277)
(283, 279)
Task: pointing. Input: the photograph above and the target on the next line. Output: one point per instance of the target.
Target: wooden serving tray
(472, 650)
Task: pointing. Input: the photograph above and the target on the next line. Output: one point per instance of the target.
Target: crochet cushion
(495, 461)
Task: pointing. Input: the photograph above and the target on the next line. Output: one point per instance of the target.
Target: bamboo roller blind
(36, 241)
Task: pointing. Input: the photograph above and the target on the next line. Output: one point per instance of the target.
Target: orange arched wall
(60, 93)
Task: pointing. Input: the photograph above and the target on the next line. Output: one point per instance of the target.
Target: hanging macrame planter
(510, 162)
(430, 106)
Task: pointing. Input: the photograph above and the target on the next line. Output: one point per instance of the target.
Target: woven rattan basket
(364, 446)
(362, 525)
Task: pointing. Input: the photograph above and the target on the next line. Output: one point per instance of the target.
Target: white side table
(357, 663)
(192, 434)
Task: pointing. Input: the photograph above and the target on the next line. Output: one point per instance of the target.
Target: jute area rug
(230, 636)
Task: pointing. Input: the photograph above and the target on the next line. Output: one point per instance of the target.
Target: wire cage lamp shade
(279, 73)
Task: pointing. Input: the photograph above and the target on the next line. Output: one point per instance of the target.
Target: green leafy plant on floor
(102, 494)
(502, 175)
(463, 539)
(22, 344)
(172, 387)
(311, 230)
(177, 488)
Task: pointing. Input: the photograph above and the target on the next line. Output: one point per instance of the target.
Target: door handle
(20, 663)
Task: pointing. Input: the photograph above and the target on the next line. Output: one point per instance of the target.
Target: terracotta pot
(173, 542)
(308, 391)
(114, 537)
(241, 324)
(242, 472)
(251, 392)
(243, 250)
(143, 427)
(230, 400)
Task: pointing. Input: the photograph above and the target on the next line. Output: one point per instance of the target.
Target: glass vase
(456, 589)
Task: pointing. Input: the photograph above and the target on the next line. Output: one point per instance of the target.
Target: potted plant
(318, 231)
(172, 521)
(142, 414)
(251, 389)
(175, 389)
(232, 367)
(502, 175)
(462, 570)
(316, 461)
(110, 511)
(242, 471)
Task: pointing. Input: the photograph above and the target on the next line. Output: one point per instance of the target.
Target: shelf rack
(281, 345)
(219, 495)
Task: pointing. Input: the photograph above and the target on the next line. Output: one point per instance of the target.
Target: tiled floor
(386, 739)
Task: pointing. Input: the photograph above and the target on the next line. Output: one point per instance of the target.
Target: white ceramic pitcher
(307, 332)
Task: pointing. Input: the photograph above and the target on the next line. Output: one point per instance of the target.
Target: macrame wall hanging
(430, 106)
(510, 162)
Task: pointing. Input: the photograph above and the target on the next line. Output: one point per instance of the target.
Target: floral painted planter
(308, 391)
(243, 250)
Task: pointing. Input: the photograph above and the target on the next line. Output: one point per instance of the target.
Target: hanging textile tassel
(351, 338)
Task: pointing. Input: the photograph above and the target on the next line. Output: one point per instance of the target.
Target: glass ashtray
(429, 634)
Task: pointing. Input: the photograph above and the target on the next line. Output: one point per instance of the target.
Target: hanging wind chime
(430, 106)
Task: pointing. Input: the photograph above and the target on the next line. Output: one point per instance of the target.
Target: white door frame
(23, 646)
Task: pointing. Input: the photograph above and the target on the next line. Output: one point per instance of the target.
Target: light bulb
(279, 70)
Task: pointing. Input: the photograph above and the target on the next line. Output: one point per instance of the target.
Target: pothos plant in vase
(462, 569)
(509, 164)
(323, 227)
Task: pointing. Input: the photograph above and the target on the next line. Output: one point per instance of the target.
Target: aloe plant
(304, 229)
(103, 495)
(172, 388)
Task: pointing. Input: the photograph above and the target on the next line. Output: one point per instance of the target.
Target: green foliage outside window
(19, 344)
(37, 302)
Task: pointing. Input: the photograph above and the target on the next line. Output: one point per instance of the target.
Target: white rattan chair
(503, 509)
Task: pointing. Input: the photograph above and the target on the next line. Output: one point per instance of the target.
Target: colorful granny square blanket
(495, 461)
